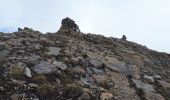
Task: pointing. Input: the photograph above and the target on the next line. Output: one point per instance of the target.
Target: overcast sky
(146, 22)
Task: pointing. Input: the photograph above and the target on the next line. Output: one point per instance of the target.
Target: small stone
(86, 81)
(28, 72)
(74, 61)
(157, 76)
(103, 80)
(54, 51)
(106, 96)
(1, 88)
(97, 71)
(14, 96)
(32, 85)
(35, 99)
(148, 79)
(79, 70)
(89, 70)
(19, 82)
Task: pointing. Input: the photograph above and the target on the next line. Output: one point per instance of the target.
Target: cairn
(68, 25)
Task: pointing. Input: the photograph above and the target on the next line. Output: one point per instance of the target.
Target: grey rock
(27, 72)
(164, 84)
(54, 51)
(35, 57)
(144, 86)
(75, 61)
(4, 53)
(86, 81)
(118, 67)
(1, 88)
(148, 79)
(97, 71)
(97, 63)
(60, 65)
(14, 96)
(157, 76)
(82, 62)
(33, 85)
(44, 68)
(36, 99)
(89, 70)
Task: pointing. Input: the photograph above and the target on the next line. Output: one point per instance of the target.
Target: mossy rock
(72, 91)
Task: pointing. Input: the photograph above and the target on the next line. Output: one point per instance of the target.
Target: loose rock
(44, 68)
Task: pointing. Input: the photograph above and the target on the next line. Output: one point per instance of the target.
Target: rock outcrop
(71, 65)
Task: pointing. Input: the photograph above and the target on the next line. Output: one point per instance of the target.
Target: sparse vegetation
(66, 78)
(45, 89)
(73, 91)
(39, 79)
(17, 72)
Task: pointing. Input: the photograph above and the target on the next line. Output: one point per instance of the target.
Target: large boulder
(117, 66)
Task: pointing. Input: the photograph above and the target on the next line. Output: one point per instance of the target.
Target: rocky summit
(71, 65)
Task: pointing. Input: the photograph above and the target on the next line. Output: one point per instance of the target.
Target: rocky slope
(70, 65)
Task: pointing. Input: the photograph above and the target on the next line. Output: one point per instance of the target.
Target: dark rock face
(70, 65)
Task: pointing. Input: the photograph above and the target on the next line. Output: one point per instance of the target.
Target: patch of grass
(45, 89)
(73, 91)
(66, 78)
(39, 79)
(17, 72)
